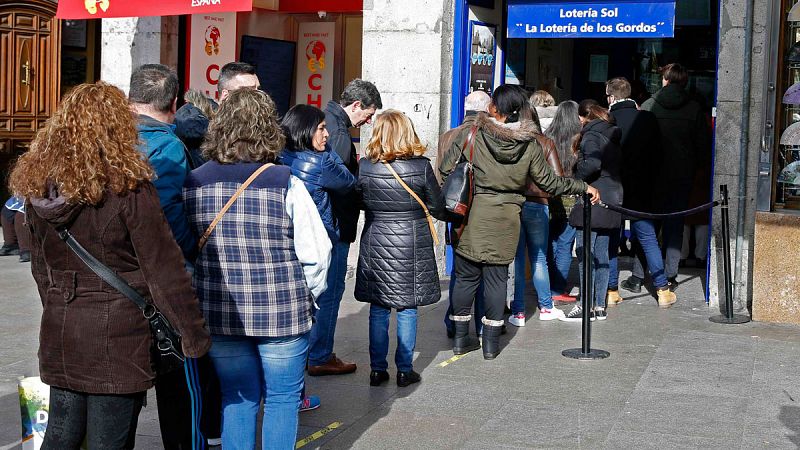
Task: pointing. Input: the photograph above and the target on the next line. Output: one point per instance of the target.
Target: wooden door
(29, 73)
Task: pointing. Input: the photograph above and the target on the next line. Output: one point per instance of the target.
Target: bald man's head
(477, 101)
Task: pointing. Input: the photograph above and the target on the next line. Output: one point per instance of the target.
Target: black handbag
(460, 184)
(167, 353)
(458, 191)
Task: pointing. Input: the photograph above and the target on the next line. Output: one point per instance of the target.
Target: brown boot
(666, 297)
(613, 298)
(334, 366)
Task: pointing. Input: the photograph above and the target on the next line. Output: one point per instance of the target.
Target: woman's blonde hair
(244, 129)
(393, 137)
(87, 147)
(200, 102)
(542, 99)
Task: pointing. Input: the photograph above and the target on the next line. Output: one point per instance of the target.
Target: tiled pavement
(674, 380)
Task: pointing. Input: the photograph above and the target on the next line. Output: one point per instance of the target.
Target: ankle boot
(462, 342)
(491, 338)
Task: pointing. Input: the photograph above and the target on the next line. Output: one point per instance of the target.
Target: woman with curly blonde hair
(261, 268)
(84, 173)
(396, 263)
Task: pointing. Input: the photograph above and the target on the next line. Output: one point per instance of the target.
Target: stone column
(408, 53)
(129, 42)
(728, 128)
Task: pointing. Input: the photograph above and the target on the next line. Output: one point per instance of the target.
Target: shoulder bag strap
(419, 200)
(210, 229)
(470, 142)
(105, 272)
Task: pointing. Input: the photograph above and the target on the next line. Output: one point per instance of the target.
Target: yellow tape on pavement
(317, 435)
(451, 360)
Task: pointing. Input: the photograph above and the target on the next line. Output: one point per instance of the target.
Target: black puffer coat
(599, 164)
(396, 262)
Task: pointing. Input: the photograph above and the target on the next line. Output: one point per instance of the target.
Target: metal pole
(729, 316)
(587, 294)
(586, 279)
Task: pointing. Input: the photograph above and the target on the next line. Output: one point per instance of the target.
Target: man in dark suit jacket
(641, 159)
(360, 99)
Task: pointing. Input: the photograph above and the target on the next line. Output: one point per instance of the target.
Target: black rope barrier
(586, 351)
(658, 216)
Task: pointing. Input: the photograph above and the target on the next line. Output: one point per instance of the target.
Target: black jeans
(108, 421)
(468, 278)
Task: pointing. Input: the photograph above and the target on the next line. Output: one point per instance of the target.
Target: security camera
(322, 14)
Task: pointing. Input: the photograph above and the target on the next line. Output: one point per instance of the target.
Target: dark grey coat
(396, 263)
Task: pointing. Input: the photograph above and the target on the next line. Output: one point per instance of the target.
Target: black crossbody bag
(166, 350)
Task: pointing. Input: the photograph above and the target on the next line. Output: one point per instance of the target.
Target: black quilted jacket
(396, 263)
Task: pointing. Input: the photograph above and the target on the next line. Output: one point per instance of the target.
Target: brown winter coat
(92, 338)
(506, 158)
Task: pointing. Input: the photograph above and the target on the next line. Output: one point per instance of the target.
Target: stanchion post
(587, 294)
(729, 317)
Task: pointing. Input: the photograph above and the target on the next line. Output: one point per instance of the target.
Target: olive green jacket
(506, 158)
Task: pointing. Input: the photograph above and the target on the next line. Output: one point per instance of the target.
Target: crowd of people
(237, 224)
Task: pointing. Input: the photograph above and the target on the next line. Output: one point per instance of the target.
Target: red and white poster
(103, 9)
(212, 44)
(315, 47)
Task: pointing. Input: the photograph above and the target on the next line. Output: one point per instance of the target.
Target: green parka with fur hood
(506, 157)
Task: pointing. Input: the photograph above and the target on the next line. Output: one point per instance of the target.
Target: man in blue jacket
(153, 96)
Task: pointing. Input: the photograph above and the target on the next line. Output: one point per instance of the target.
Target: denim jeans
(379, 338)
(250, 368)
(321, 340)
(533, 237)
(646, 234)
(599, 248)
(613, 252)
(479, 309)
(562, 236)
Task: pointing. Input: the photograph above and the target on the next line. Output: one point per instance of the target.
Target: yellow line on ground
(451, 360)
(318, 434)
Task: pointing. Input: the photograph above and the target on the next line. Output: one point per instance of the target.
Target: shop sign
(212, 44)
(598, 19)
(315, 46)
(103, 9)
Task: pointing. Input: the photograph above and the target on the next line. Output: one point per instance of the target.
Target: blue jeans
(613, 252)
(379, 338)
(252, 368)
(479, 309)
(321, 341)
(599, 248)
(562, 236)
(646, 233)
(533, 236)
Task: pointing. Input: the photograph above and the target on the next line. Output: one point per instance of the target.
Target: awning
(102, 9)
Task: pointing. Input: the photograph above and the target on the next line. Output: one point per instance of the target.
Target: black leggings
(108, 421)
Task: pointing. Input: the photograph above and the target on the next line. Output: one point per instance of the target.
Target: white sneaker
(518, 319)
(550, 314)
(575, 292)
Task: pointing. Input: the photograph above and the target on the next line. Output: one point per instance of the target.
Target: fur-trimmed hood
(506, 141)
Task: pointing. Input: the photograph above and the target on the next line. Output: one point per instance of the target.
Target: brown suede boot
(666, 297)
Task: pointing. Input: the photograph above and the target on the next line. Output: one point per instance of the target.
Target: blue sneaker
(310, 402)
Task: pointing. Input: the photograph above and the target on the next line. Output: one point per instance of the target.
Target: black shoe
(378, 377)
(462, 342)
(632, 284)
(576, 315)
(24, 257)
(600, 314)
(9, 250)
(671, 282)
(406, 378)
(491, 341)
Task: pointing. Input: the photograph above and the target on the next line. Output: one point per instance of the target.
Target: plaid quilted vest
(247, 277)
